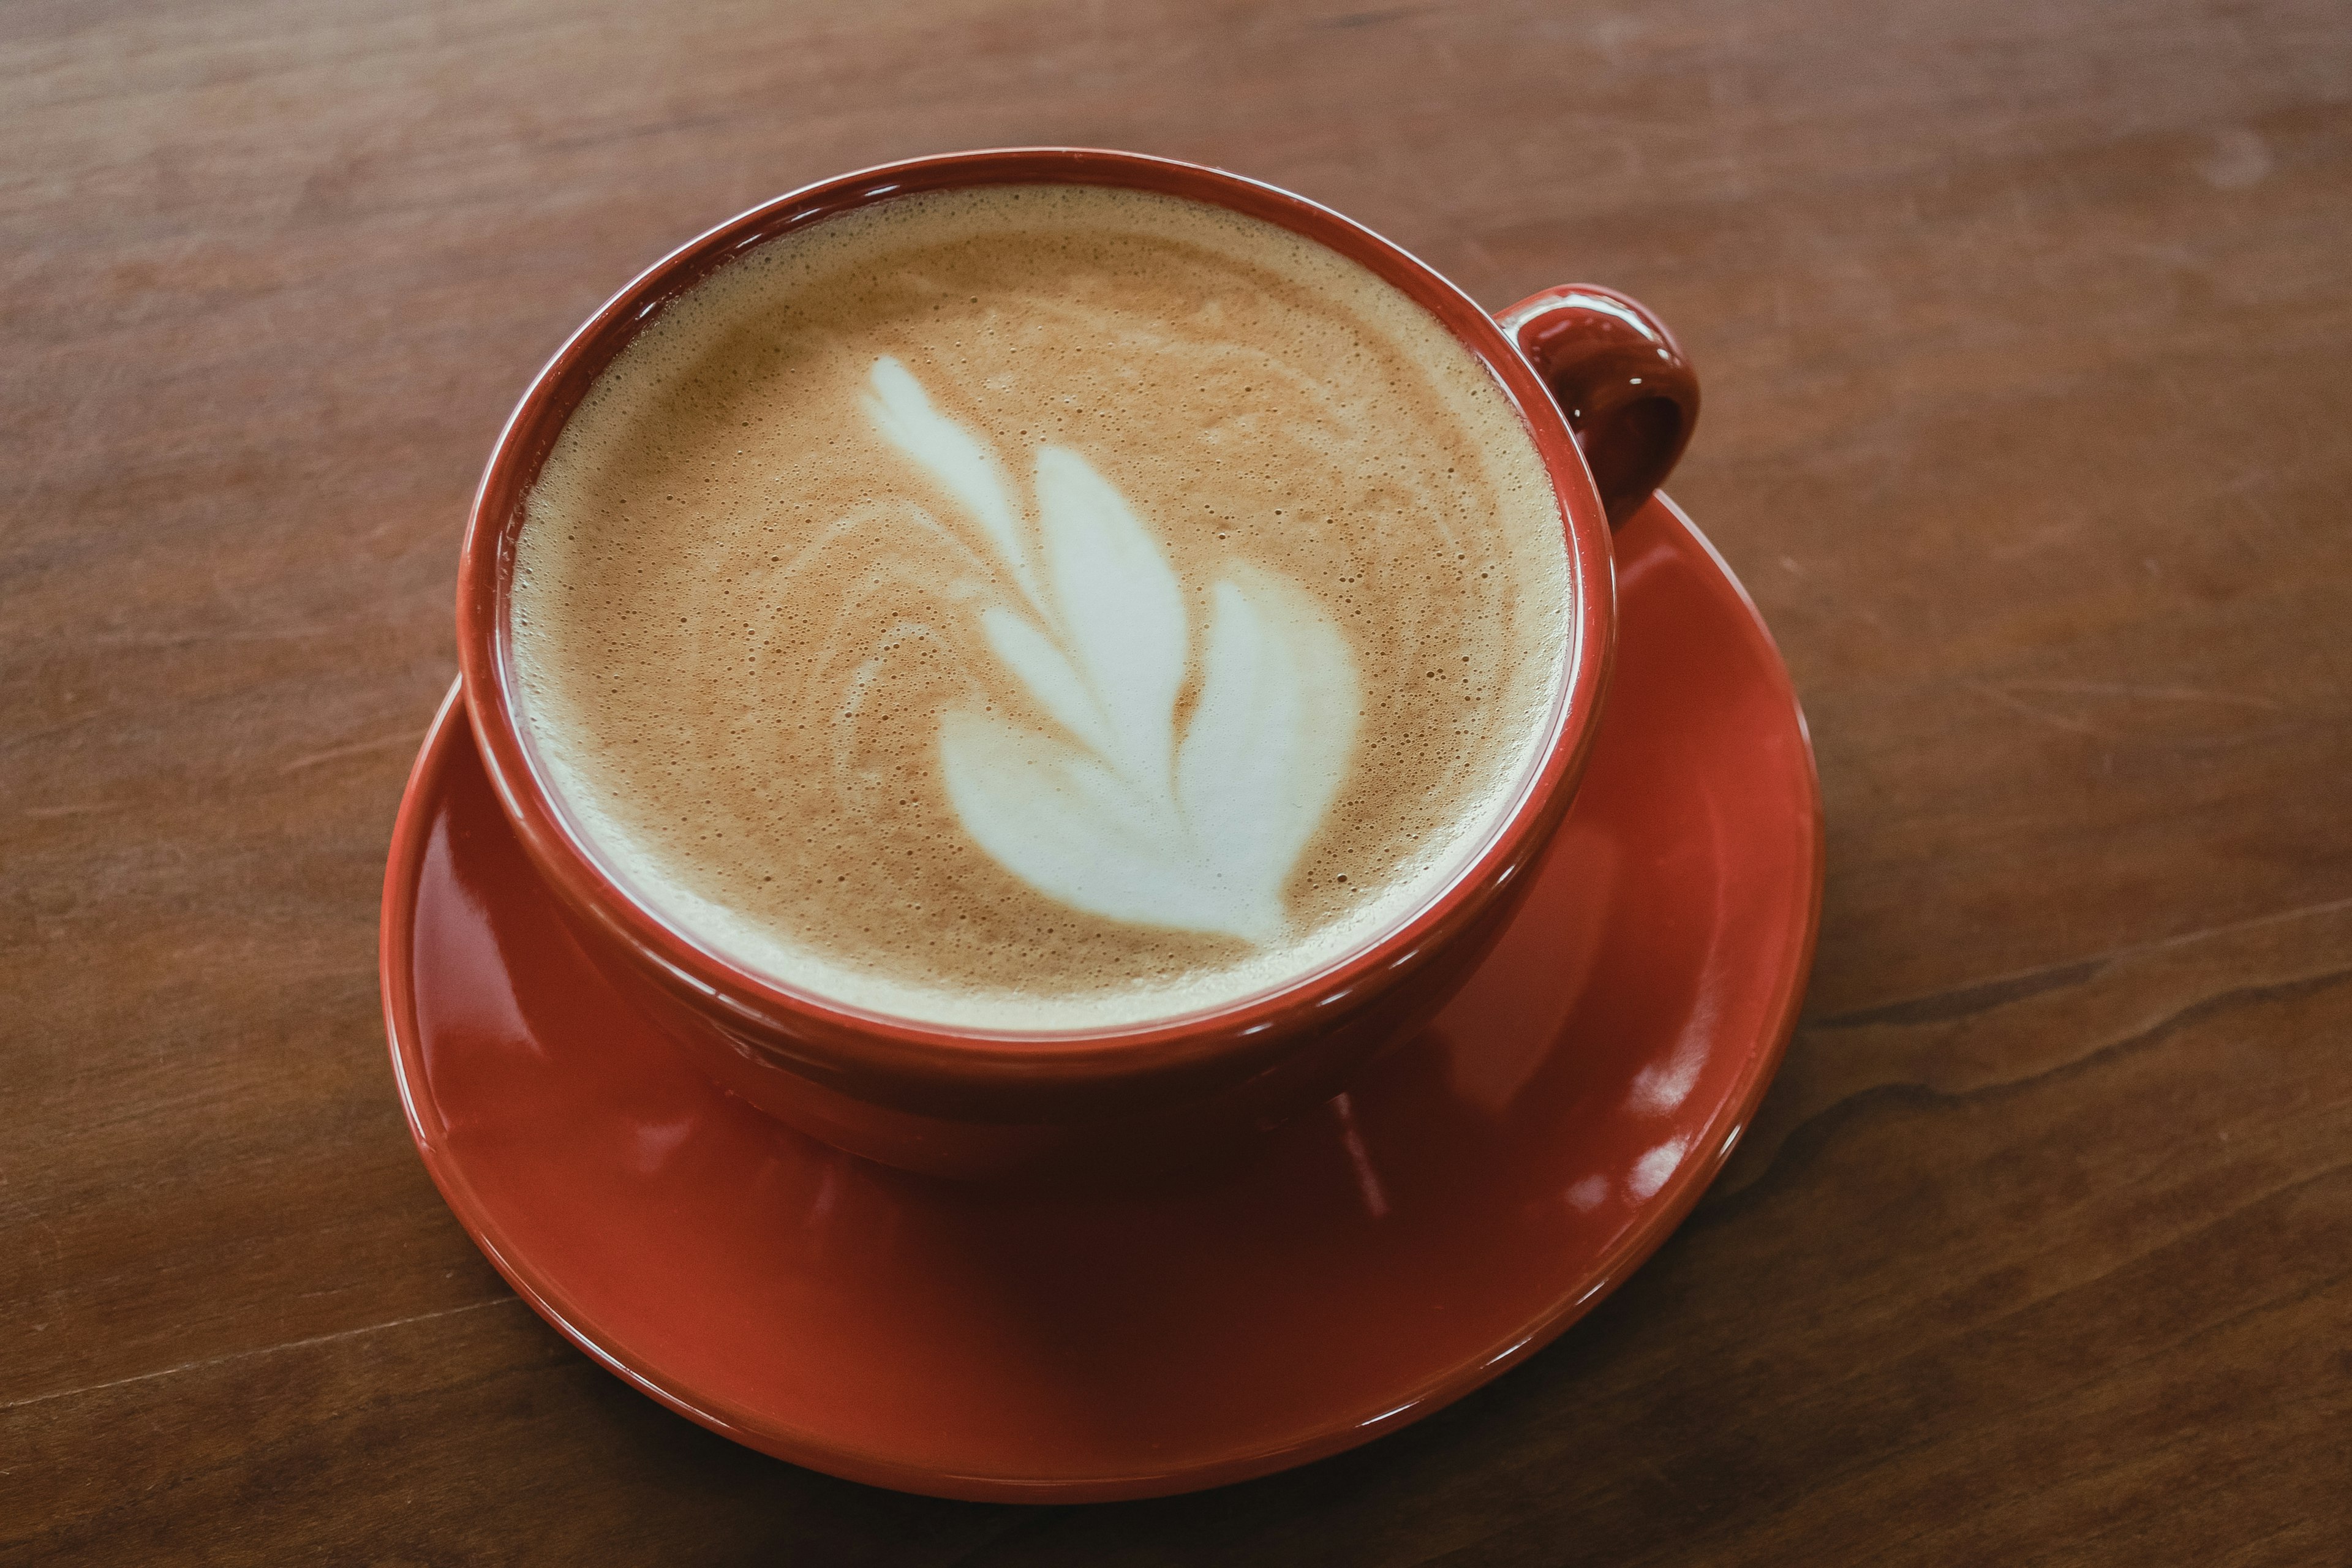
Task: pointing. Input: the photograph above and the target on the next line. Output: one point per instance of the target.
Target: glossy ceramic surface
(1476, 1190)
(1621, 380)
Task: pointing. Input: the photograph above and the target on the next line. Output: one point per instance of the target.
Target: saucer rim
(1612, 1265)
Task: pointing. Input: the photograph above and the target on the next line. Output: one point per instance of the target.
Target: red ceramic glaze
(1617, 373)
(983, 1102)
(1477, 1189)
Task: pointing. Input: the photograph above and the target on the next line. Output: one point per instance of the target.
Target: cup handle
(1630, 395)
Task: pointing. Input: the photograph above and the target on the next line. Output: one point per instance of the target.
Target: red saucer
(1481, 1188)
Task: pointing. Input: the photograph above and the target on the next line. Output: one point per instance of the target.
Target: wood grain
(2023, 328)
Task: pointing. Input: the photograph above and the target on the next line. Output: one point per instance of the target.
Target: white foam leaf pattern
(1268, 745)
(1116, 818)
(1059, 690)
(1070, 828)
(1121, 606)
(902, 411)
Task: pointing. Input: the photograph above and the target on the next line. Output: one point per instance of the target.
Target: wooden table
(2025, 329)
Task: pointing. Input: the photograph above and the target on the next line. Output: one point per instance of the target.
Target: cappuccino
(1039, 607)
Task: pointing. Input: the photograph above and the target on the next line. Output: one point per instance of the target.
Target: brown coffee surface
(809, 614)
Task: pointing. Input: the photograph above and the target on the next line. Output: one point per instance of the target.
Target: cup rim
(562, 855)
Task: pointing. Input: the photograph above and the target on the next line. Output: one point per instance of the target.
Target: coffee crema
(1040, 607)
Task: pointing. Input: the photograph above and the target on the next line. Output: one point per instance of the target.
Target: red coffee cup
(1582, 364)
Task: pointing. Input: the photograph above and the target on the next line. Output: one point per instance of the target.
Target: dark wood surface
(2027, 335)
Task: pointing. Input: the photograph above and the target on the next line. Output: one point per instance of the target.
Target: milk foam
(1114, 818)
(1039, 608)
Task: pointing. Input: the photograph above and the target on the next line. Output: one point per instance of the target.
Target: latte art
(1039, 607)
(1126, 823)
